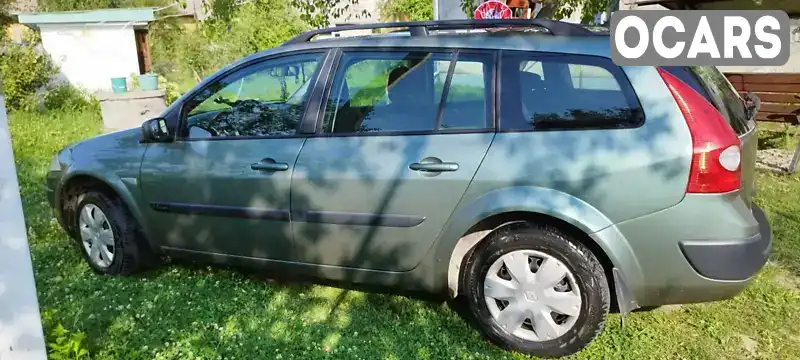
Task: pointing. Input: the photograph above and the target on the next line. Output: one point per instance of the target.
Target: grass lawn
(184, 312)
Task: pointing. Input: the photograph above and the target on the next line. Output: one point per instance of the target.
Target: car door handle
(434, 167)
(267, 165)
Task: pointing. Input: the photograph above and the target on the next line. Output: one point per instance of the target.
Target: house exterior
(91, 47)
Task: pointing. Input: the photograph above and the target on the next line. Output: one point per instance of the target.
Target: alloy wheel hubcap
(532, 295)
(96, 235)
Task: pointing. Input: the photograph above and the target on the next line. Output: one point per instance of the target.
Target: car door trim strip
(364, 219)
(323, 217)
(221, 211)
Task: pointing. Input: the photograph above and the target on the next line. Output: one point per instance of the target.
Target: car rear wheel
(535, 290)
(108, 235)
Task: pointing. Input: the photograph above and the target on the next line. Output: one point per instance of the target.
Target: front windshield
(263, 99)
(272, 85)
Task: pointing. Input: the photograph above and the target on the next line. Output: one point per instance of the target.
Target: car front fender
(127, 188)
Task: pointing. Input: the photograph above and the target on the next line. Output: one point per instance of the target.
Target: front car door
(401, 137)
(223, 186)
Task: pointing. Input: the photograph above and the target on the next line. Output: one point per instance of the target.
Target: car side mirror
(155, 130)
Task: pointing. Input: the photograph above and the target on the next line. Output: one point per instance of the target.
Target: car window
(401, 91)
(532, 67)
(724, 97)
(565, 91)
(264, 99)
(467, 97)
(383, 92)
(588, 77)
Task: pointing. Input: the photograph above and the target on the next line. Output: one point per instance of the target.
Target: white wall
(449, 10)
(89, 55)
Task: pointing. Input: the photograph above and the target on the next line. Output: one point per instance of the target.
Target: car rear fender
(459, 237)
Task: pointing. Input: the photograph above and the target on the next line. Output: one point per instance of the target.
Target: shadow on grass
(776, 138)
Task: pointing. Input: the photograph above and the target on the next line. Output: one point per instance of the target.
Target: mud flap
(626, 302)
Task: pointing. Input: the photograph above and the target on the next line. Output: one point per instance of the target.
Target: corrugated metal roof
(90, 16)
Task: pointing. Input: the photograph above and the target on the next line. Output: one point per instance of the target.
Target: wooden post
(143, 50)
(796, 158)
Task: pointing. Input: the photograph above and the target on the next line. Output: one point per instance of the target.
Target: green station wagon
(508, 163)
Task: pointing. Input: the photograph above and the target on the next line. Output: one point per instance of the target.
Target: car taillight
(716, 151)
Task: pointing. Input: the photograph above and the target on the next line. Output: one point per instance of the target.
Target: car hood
(123, 138)
(118, 153)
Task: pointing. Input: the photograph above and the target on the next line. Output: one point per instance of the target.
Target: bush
(25, 71)
(69, 5)
(66, 97)
(406, 10)
(67, 345)
(63, 344)
(171, 90)
(185, 54)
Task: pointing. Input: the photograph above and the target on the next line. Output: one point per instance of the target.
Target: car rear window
(558, 91)
(725, 97)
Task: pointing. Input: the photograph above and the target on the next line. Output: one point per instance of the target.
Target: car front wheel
(535, 290)
(108, 235)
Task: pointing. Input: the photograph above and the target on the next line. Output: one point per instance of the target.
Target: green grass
(777, 136)
(197, 312)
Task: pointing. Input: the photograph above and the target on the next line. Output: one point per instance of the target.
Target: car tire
(126, 251)
(536, 244)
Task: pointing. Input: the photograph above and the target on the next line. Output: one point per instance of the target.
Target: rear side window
(587, 77)
(466, 104)
(557, 91)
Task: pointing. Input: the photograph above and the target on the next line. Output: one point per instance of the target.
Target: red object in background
(493, 9)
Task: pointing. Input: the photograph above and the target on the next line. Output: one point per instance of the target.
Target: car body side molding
(327, 217)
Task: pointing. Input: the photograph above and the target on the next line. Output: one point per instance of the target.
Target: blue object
(148, 82)
(119, 85)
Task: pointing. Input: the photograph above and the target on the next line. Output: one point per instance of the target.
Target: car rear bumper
(706, 248)
(735, 259)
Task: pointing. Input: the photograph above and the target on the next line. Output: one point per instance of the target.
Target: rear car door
(715, 87)
(402, 135)
(223, 186)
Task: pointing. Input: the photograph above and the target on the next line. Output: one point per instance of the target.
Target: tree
(560, 9)
(406, 10)
(557, 9)
(316, 13)
(70, 5)
(5, 17)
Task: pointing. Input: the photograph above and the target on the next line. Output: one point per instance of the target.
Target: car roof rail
(421, 28)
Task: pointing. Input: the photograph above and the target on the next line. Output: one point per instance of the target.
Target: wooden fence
(780, 99)
(779, 94)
